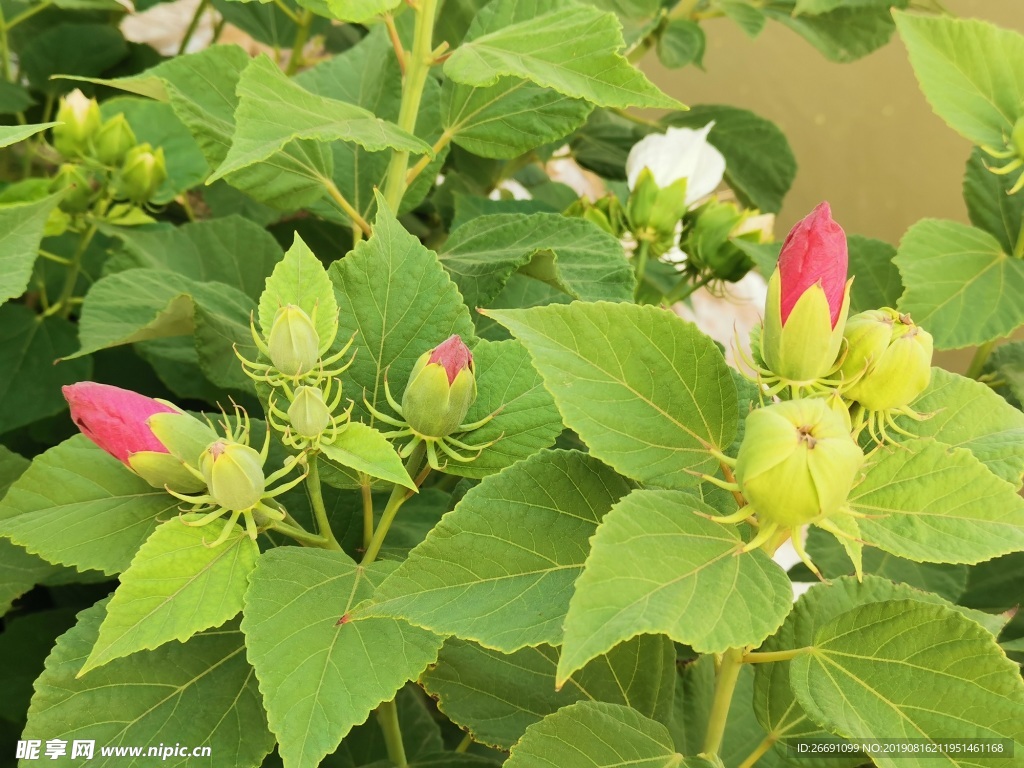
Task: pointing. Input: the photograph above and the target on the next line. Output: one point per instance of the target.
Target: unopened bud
(143, 172)
(308, 413)
(113, 140)
(442, 387)
(77, 187)
(78, 119)
(293, 342)
(185, 438)
(234, 475)
(888, 360)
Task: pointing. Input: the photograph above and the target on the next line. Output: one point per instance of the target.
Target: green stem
(641, 263)
(287, 11)
(303, 536)
(465, 744)
(418, 65)
(759, 751)
(358, 222)
(305, 23)
(981, 356)
(26, 15)
(193, 25)
(765, 657)
(367, 492)
(685, 290)
(387, 717)
(5, 49)
(399, 495)
(71, 279)
(316, 499)
(725, 684)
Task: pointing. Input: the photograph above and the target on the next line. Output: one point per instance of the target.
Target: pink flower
(115, 418)
(454, 355)
(814, 252)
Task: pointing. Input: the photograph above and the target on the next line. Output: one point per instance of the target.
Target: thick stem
(301, 38)
(417, 68)
(759, 751)
(725, 684)
(193, 25)
(981, 356)
(399, 495)
(387, 717)
(71, 279)
(316, 499)
(367, 492)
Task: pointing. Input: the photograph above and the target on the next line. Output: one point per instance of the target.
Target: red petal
(114, 418)
(453, 354)
(815, 251)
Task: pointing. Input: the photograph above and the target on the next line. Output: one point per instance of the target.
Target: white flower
(678, 153)
(79, 104)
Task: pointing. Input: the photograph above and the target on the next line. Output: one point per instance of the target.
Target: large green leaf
(844, 34)
(69, 49)
(497, 696)
(593, 734)
(877, 282)
(970, 72)
(759, 163)
(967, 414)
(902, 669)
(646, 391)
(774, 701)
(937, 504)
(28, 637)
(176, 586)
(79, 506)
(512, 116)
(366, 451)
(997, 585)
(990, 205)
(12, 134)
(571, 254)
(359, 10)
(659, 565)
(300, 279)
(500, 568)
(273, 111)
(534, 49)
(29, 381)
(201, 693)
(299, 600)
(400, 303)
(959, 284)
(21, 230)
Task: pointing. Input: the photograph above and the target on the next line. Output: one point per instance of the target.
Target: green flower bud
(797, 462)
(78, 189)
(656, 209)
(79, 119)
(442, 387)
(143, 172)
(308, 413)
(706, 241)
(889, 359)
(113, 140)
(234, 475)
(162, 469)
(185, 438)
(294, 343)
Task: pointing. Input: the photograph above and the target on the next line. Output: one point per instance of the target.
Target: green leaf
(78, 506)
(592, 734)
(759, 163)
(603, 144)
(534, 49)
(571, 254)
(1007, 362)
(19, 571)
(844, 34)
(297, 599)
(659, 565)
(176, 586)
(512, 116)
(749, 18)
(153, 697)
(682, 42)
(500, 568)
(520, 292)
(29, 381)
(997, 585)
(968, 414)
(774, 701)
(401, 303)
(527, 419)
(367, 451)
(989, 204)
(877, 281)
(273, 111)
(937, 504)
(14, 98)
(300, 279)
(12, 134)
(27, 638)
(360, 10)
(496, 697)
(969, 71)
(70, 49)
(895, 670)
(959, 284)
(21, 229)
(646, 391)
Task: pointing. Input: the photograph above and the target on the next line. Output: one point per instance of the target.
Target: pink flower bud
(814, 252)
(115, 418)
(454, 355)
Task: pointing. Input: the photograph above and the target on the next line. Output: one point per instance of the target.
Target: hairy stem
(399, 495)
(417, 68)
(981, 356)
(316, 500)
(367, 492)
(387, 717)
(725, 684)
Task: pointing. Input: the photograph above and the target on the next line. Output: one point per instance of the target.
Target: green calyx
(706, 241)
(142, 173)
(234, 475)
(78, 190)
(308, 414)
(432, 406)
(293, 344)
(806, 347)
(656, 210)
(889, 358)
(797, 462)
(113, 141)
(185, 438)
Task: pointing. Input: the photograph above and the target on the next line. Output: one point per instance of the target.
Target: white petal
(676, 154)
(707, 174)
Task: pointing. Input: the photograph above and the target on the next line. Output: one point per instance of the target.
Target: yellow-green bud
(79, 119)
(293, 342)
(706, 241)
(185, 438)
(889, 359)
(308, 413)
(797, 462)
(113, 140)
(77, 188)
(143, 172)
(234, 475)
(442, 387)
(657, 209)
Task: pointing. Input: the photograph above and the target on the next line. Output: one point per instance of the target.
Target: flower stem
(465, 744)
(684, 290)
(725, 684)
(759, 751)
(387, 717)
(981, 356)
(193, 25)
(641, 263)
(367, 492)
(764, 657)
(418, 65)
(399, 495)
(71, 278)
(303, 536)
(305, 22)
(316, 500)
